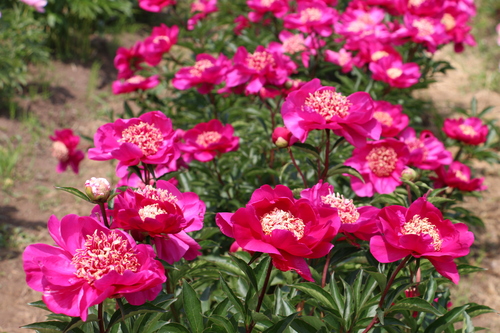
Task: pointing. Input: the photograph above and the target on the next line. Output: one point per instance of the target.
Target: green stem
(297, 167)
(327, 155)
(262, 295)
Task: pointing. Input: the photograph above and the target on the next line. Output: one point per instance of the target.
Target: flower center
(382, 161)
(328, 103)
(151, 211)
(267, 3)
(198, 6)
(207, 138)
(294, 44)
(416, 3)
(200, 66)
(145, 136)
(157, 39)
(417, 144)
(394, 72)
(361, 23)
(384, 118)
(379, 55)
(467, 130)
(348, 213)
(310, 15)
(136, 79)
(424, 26)
(418, 226)
(279, 219)
(460, 175)
(259, 60)
(102, 254)
(448, 21)
(60, 151)
(157, 194)
(344, 58)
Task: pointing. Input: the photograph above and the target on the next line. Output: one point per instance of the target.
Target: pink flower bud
(282, 137)
(409, 174)
(98, 189)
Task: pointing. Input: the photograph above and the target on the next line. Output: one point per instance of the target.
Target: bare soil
(31, 199)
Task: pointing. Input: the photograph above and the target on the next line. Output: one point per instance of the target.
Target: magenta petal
(66, 301)
(384, 252)
(446, 267)
(32, 262)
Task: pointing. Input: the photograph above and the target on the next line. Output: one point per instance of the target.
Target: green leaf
(445, 321)
(281, 325)
(317, 293)
(247, 270)
(40, 305)
(233, 298)
(476, 310)
(127, 110)
(340, 169)
(414, 304)
(192, 307)
(413, 187)
(75, 192)
(380, 278)
(130, 310)
(173, 328)
(337, 297)
(223, 322)
(439, 200)
(47, 326)
(467, 269)
(308, 149)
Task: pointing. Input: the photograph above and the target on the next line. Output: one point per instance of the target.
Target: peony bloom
(64, 149)
(428, 31)
(282, 137)
(135, 83)
(148, 139)
(207, 140)
(421, 231)
(202, 8)
(128, 61)
(391, 117)
(289, 230)
(356, 221)
(37, 4)
(342, 58)
(390, 69)
(160, 42)
(163, 213)
(314, 106)
(381, 164)
(296, 43)
(206, 73)
(97, 189)
(241, 24)
(89, 264)
(458, 176)
(312, 17)
(470, 131)
(260, 7)
(426, 151)
(155, 5)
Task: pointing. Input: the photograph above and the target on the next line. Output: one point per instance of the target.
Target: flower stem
(327, 155)
(325, 270)
(104, 215)
(100, 318)
(261, 296)
(386, 290)
(297, 167)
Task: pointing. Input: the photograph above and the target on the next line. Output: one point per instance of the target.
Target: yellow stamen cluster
(279, 219)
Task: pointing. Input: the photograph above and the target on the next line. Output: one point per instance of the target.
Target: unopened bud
(282, 137)
(98, 189)
(409, 174)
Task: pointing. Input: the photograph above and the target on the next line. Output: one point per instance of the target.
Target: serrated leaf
(414, 304)
(344, 169)
(317, 293)
(75, 192)
(192, 307)
(440, 324)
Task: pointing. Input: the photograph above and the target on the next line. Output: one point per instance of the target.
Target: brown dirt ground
(30, 201)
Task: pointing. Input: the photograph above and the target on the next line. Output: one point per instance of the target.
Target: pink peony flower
(342, 58)
(312, 17)
(458, 176)
(391, 117)
(470, 131)
(289, 230)
(207, 140)
(358, 24)
(241, 24)
(296, 43)
(135, 83)
(256, 70)
(356, 221)
(160, 42)
(426, 151)
(498, 33)
(391, 70)
(260, 7)
(89, 264)
(381, 164)
(314, 106)
(202, 8)
(37, 4)
(128, 61)
(149, 139)
(155, 5)
(421, 231)
(206, 73)
(163, 213)
(455, 21)
(64, 149)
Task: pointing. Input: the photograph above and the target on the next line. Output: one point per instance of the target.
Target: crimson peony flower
(426, 151)
(458, 176)
(241, 24)
(206, 73)
(421, 231)
(207, 140)
(381, 164)
(155, 5)
(128, 61)
(89, 264)
(260, 7)
(390, 69)
(391, 117)
(161, 41)
(163, 213)
(357, 221)
(470, 131)
(289, 230)
(312, 17)
(134, 83)
(64, 149)
(148, 139)
(316, 107)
